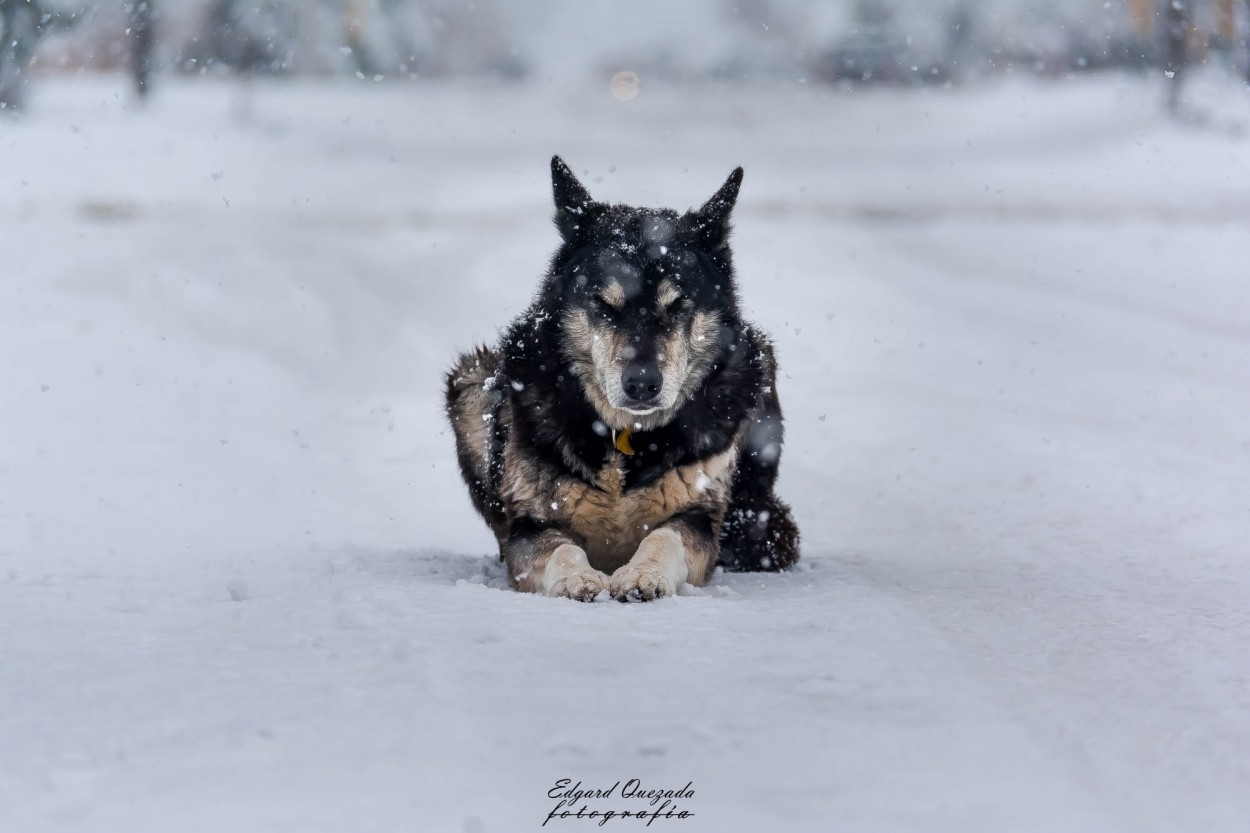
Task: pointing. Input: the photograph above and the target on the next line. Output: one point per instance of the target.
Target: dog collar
(621, 441)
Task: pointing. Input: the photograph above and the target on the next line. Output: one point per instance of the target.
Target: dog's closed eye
(677, 306)
(667, 296)
(612, 297)
(606, 305)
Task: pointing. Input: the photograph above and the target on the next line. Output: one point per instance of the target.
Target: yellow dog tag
(622, 443)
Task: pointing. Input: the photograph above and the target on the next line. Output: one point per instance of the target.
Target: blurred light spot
(624, 85)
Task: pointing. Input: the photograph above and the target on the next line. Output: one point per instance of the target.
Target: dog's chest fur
(608, 519)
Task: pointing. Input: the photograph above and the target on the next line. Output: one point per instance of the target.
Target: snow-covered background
(242, 588)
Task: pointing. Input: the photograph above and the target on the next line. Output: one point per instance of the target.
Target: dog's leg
(548, 561)
(684, 549)
(759, 532)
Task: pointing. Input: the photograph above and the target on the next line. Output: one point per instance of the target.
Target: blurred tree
(1142, 17)
(1225, 21)
(1176, 27)
(1235, 44)
(20, 25)
(961, 46)
(256, 37)
(355, 29)
(142, 37)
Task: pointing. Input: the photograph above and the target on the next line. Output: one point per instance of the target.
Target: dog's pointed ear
(574, 206)
(711, 221)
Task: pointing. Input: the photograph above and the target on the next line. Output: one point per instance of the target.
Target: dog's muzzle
(642, 383)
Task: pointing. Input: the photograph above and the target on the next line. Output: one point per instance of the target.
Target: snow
(242, 587)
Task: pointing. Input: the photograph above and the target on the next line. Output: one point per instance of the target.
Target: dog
(625, 433)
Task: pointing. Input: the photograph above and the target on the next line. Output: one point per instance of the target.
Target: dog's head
(645, 296)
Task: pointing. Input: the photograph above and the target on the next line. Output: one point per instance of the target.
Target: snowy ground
(242, 588)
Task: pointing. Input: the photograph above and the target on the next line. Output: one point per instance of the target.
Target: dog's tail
(472, 406)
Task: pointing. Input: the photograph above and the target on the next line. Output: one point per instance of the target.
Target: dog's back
(472, 404)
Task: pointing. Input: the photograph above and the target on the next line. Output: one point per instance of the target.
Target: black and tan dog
(625, 433)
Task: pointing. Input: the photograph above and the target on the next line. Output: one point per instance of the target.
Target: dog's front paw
(582, 585)
(640, 582)
(568, 575)
(656, 570)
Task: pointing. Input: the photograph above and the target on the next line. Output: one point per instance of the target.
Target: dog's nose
(642, 381)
